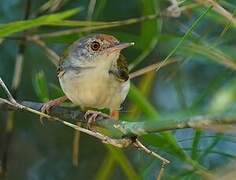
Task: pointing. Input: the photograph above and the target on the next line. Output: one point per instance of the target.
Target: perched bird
(94, 74)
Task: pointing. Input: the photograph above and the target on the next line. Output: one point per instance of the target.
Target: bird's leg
(115, 114)
(53, 103)
(93, 116)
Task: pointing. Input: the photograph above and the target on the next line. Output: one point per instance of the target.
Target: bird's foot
(51, 104)
(93, 116)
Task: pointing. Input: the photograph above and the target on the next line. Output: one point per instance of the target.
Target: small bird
(94, 74)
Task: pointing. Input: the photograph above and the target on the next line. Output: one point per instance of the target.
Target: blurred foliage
(202, 82)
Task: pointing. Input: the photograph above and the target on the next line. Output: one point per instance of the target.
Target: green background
(201, 82)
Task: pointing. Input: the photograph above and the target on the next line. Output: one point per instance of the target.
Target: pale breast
(94, 89)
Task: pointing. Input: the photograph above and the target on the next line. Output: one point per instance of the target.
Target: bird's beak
(120, 46)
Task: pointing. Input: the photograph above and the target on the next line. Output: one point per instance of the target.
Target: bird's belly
(94, 90)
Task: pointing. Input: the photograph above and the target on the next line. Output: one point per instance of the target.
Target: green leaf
(195, 143)
(106, 169)
(40, 86)
(188, 33)
(208, 149)
(143, 103)
(124, 163)
(13, 27)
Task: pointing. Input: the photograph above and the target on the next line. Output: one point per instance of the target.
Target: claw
(92, 117)
(50, 104)
(91, 120)
(46, 109)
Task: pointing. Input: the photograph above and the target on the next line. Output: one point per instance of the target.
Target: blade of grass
(123, 162)
(220, 10)
(195, 143)
(106, 169)
(207, 150)
(215, 152)
(198, 133)
(136, 97)
(212, 53)
(116, 157)
(96, 26)
(100, 7)
(14, 27)
(212, 86)
(40, 86)
(186, 35)
(144, 86)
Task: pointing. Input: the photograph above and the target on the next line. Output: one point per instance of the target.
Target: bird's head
(96, 49)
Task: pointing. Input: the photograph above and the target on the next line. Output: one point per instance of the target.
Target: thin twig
(138, 144)
(140, 128)
(102, 25)
(17, 75)
(13, 102)
(219, 9)
(150, 68)
(75, 147)
(188, 32)
(121, 143)
(105, 139)
(129, 128)
(10, 97)
(161, 171)
(50, 53)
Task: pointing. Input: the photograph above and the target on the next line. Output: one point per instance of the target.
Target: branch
(129, 130)
(125, 128)
(152, 67)
(121, 143)
(52, 56)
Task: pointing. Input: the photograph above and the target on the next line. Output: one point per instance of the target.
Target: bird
(93, 74)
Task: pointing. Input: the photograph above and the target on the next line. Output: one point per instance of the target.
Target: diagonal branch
(128, 131)
(121, 142)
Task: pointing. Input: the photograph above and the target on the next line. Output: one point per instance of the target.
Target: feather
(120, 71)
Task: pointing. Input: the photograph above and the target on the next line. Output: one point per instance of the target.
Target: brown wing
(60, 68)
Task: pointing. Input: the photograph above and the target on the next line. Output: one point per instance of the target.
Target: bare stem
(150, 68)
(10, 97)
(121, 143)
(49, 52)
(219, 9)
(138, 144)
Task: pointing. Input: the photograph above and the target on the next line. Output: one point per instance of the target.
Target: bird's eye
(95, 45)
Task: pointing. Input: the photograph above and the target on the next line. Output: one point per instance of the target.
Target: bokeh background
(201, 82)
